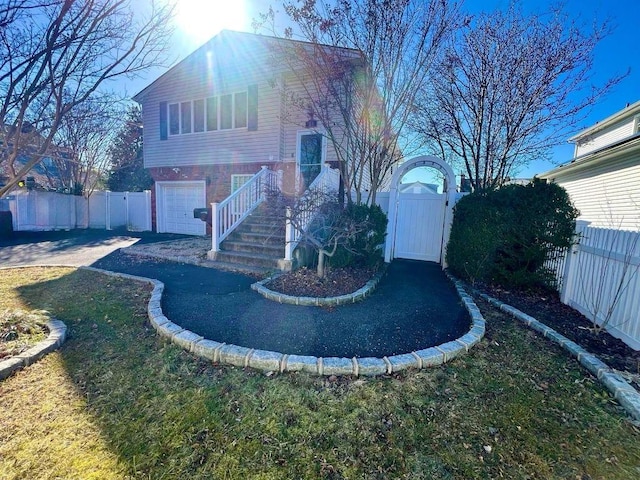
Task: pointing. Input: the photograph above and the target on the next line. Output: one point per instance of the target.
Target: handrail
(228, 214)
(327, 182)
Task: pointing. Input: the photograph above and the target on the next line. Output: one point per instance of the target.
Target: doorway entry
(311, 157)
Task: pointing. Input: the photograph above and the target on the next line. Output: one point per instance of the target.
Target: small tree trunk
(320, 270)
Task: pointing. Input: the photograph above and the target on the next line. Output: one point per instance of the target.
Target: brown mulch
(546, 307)
(305, 282)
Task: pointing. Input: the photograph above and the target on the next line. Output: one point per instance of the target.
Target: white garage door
(174, 206)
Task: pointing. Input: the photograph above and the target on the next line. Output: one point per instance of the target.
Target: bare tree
(57, 54)
(321, 220)
(508, 88)
(362, 92)
(85, 135)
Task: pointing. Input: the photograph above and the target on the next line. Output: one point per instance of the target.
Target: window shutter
(163, 120)
(252, 107)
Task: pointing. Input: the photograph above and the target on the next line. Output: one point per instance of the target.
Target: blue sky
(199, 20)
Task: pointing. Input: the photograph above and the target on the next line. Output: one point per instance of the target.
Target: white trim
(218, 114)
(323, 148)
(159, 188)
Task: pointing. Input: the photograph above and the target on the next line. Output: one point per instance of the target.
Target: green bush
(504, 236)
(365, 248)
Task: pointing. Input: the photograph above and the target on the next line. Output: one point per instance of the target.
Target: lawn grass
(119, 402)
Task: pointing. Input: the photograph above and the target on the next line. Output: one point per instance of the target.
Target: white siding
(608, 195)
(203, 75)
(605, 137)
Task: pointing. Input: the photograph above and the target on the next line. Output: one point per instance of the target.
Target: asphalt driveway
(80, 247)
(413, 307)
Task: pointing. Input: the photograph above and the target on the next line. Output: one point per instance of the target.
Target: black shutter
(252, 107)
(163, 120)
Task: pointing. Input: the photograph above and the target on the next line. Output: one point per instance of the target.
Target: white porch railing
(327, 181)
(228, 214)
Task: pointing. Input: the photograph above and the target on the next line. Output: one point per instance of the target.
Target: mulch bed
(305, 282)
(546, 307)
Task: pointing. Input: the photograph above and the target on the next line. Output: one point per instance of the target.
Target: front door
(310, 157)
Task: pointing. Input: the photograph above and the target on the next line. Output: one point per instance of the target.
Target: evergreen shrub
(365, 249)
(504, 236)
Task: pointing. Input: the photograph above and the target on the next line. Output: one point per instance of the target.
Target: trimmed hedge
(504, 236)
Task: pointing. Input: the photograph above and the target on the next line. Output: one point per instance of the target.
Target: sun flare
(199, 20)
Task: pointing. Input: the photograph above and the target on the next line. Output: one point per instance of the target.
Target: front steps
(258, 244)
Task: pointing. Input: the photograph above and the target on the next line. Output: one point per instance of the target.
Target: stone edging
(281, 362)
(57, 336)
(356, 296)
(621, 390)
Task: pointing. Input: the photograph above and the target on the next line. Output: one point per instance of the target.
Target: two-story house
(603, 178)
(213, 120)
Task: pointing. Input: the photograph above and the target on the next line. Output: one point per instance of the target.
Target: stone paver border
(356, 296)
(281, 362)
(55, 339)
(621, 390)
(264, 360)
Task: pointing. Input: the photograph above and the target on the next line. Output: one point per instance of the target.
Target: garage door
(175, 203)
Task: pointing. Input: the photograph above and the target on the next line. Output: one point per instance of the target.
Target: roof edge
(628, 110)
(592, 157)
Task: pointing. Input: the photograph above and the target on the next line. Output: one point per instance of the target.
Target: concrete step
(275, 249)
(251, 259)
(261, 227)
(256, 237)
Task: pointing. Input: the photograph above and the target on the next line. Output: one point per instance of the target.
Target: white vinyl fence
(38, 211)
(600, 277)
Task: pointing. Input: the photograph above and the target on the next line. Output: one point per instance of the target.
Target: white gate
(420, 226)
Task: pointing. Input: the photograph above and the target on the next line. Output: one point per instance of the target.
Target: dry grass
(20, 329)
(118, 402)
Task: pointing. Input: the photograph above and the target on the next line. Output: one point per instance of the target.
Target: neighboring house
(213, 120)
(603, 178)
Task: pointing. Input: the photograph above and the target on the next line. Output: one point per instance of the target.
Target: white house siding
(201, 76)
(605, 137)
(607, 195)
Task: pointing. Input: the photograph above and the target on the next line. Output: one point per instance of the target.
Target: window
(239, 180)
(198, 116)
(226, 112)
(636, 125)
(185, 117)
(240, 110)
(174, 119)
(212, 113)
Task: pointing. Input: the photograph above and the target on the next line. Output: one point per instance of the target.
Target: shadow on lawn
(514, 407)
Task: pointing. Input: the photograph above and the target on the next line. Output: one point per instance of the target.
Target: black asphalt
(414, 307)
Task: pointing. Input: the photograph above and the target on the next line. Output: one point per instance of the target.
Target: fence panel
(98, 210)
(139, 211)
(117, 208)
(35, 210)
(602, 280)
